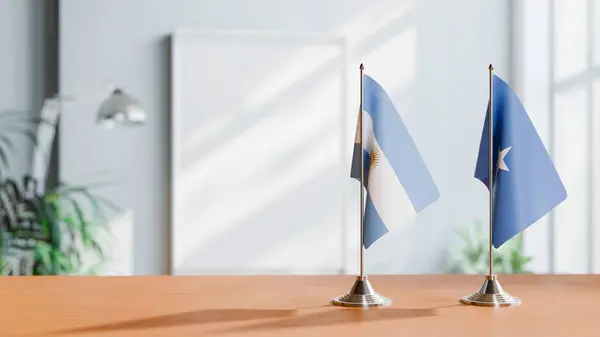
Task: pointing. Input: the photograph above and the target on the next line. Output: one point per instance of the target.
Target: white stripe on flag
(368, 135)
(388, 194)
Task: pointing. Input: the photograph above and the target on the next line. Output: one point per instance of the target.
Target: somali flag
(525, 185)
(397, 181)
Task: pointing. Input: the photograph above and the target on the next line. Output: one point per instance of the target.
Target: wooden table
(292, 306)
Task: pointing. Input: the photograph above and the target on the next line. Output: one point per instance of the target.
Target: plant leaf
(4, 158)
(7, 141)
(96, 201)
(30, 135)
(98, 249)
(43, 252)
(20, 117)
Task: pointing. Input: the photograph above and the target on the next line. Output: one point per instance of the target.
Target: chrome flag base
(361, 295)
(491, 294)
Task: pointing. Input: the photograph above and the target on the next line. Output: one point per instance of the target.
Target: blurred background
(242, 166)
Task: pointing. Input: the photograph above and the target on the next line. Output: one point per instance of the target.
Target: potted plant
(471, 255)
(54, 229)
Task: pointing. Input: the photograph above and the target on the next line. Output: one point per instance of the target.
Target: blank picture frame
(259, 153)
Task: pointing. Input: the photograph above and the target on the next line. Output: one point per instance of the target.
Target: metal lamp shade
(120, 108)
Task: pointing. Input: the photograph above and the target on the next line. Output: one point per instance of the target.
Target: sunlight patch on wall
(570, 157)
(374, 17)
(393, 64)
(571, 43)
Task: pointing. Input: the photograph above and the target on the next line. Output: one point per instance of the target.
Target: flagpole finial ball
(491, 67)
(362, 66)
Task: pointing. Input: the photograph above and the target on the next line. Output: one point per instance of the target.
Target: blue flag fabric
(397, 181)
(526, 185)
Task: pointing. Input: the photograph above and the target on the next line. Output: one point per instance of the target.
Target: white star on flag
(501, 163)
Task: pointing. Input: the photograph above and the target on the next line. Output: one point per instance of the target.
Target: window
(557, 68)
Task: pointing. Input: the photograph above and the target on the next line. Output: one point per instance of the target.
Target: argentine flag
(397, 181)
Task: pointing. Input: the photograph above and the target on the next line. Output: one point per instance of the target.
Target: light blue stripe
(374, 226)
(398, 147)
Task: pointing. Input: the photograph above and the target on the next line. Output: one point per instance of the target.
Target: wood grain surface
(553, 305)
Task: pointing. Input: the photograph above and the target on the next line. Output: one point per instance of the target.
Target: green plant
(472, 255)
(70, 219)
(73, 232)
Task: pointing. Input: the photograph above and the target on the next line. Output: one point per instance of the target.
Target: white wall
(431, 56)
(23, 56)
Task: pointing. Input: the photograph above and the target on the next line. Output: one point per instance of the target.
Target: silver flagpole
(362, 176)
(362, 293)
(491, 166)
(491, 293)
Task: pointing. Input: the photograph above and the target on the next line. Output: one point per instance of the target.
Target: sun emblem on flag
(375, 154)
